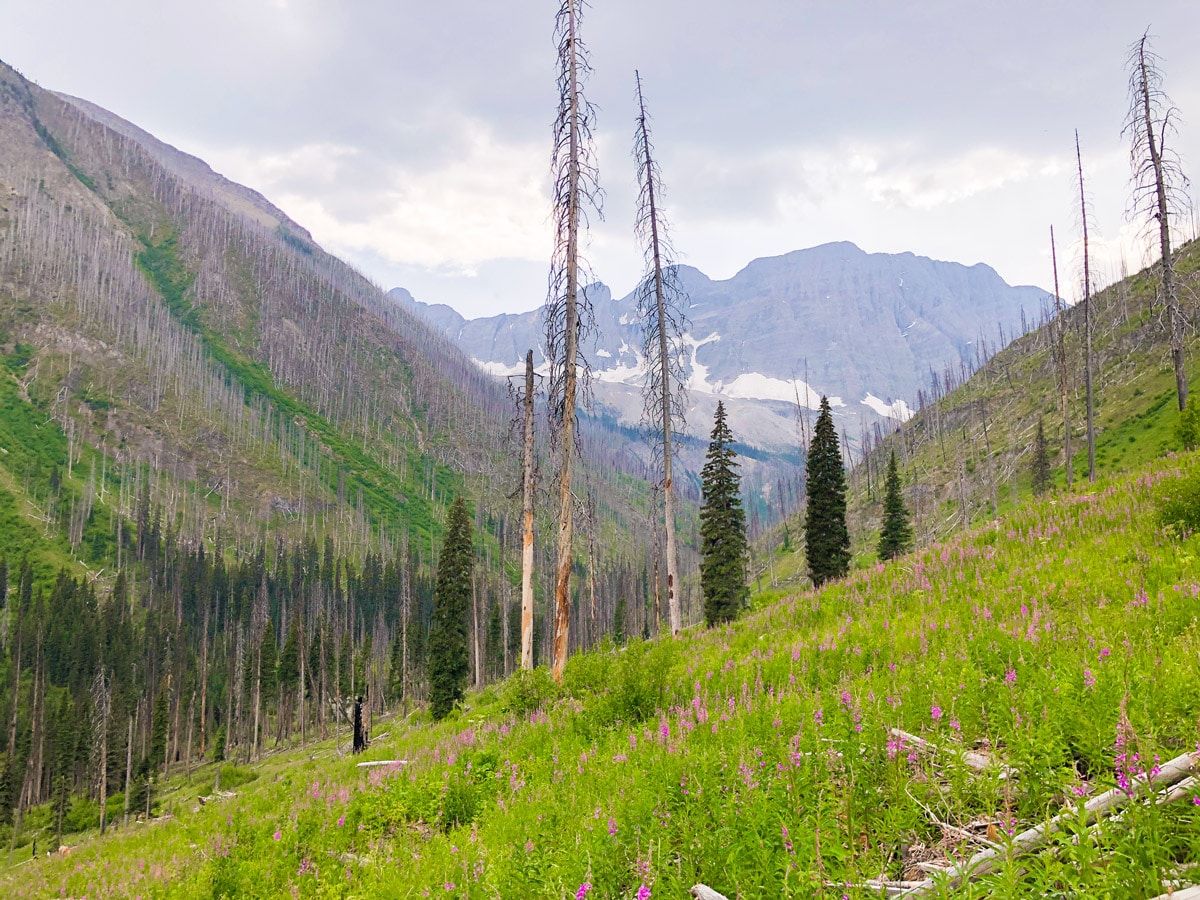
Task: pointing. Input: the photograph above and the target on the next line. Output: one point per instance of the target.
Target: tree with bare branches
(567, 312)
(660, 301)
(1087, 319)
(1158, 179)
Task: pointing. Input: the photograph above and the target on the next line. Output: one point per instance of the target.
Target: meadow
(1061, 642)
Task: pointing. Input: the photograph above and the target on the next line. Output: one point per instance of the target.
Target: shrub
(1179, 503)
(529, 690)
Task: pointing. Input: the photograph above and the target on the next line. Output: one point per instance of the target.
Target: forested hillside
(225, 460)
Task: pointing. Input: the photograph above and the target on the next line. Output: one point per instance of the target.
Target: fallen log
(382, 762)
(977, 761)
(987, 861)
(704, 892)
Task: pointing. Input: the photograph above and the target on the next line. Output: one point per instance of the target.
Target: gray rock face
(867, 328)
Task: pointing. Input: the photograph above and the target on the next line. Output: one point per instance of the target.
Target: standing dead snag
(660, 299)
(1060, 350)
(1087, 320)
(567, 311)
(1157, 179)
(527, 519)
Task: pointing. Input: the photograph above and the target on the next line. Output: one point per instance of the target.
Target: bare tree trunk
(570, 341)
(128, 768)
(1162, 212)
(1061, 347)
(663, 360)
(1087, 322)
(527, 522)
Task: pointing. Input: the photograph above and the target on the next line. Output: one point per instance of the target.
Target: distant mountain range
(866, 329)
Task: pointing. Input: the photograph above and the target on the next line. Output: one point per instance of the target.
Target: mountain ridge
(868, 327)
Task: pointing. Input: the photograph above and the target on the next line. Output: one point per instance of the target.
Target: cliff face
(866, 329)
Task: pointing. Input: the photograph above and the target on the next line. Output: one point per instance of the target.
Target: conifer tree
(722, 528)
(826, 537)
(448, 647)
(1040, 467)
(896, 535)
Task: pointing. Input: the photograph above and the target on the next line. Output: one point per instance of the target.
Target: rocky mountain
(870, 330)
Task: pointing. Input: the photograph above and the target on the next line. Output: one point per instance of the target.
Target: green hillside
(1060, 641)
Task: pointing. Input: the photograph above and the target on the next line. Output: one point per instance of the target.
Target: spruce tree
(448, 648)
(826, 537)
(722, 528)
(896, 536)
(1040, 467)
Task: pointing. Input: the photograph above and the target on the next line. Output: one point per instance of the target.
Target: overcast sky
(413, 138)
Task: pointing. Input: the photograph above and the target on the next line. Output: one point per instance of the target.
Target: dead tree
(1158, 179)
(1061, 359)
(660, 299)
(1087, 320)
(527, 473)
(567, 312)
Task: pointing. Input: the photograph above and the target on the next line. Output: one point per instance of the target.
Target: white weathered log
(382, 762)
(977, 761)
(986, 861)
(704, 892)
(1188, 893)
(891, 888)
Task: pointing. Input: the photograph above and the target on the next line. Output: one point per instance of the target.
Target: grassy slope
(755, 758)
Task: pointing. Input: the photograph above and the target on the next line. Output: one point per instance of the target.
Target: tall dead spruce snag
(567, 312)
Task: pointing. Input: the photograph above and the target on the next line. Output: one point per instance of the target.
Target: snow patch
(895, 410)
(500, 370)
(603, 354)
(756, 386)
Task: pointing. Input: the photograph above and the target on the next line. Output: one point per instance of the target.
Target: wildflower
(612, 826)
(341, 820)
(583, 890)
(1104, 652)
(787, 840)
(643, 892)
(1089, 680)
(277, 835)
(936, 712)
(1010, 677)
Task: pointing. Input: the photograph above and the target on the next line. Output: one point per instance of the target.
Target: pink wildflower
(643, 892)
(583, 890)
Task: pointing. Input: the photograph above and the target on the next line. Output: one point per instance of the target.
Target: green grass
(756, 758)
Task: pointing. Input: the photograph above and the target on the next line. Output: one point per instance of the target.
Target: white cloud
(483, 203)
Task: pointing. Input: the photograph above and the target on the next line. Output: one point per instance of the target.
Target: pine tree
(448, 647)
(1040, 467)
(826, 537)
(722, 528)
(896, 535)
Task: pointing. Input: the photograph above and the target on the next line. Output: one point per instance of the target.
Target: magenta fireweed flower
(1089, 680)
(643, 892)
(1010, 677)
(935, 713)
(277, 835)
(583, 890)
(612, 826)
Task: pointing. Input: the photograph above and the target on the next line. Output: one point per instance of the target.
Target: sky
(413, 139)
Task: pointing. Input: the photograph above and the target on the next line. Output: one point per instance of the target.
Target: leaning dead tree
(1158, 179)
(660, 299)
(1087, 320)
(567, 312)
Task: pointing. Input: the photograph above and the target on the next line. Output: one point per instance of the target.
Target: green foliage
(1188, 429)
(1179, 503)
(895, 537)
(1039, 467)
(716, 760)
(218, 746)
(448, 650)
(826, 537)
(530, 690)
(723, 548)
